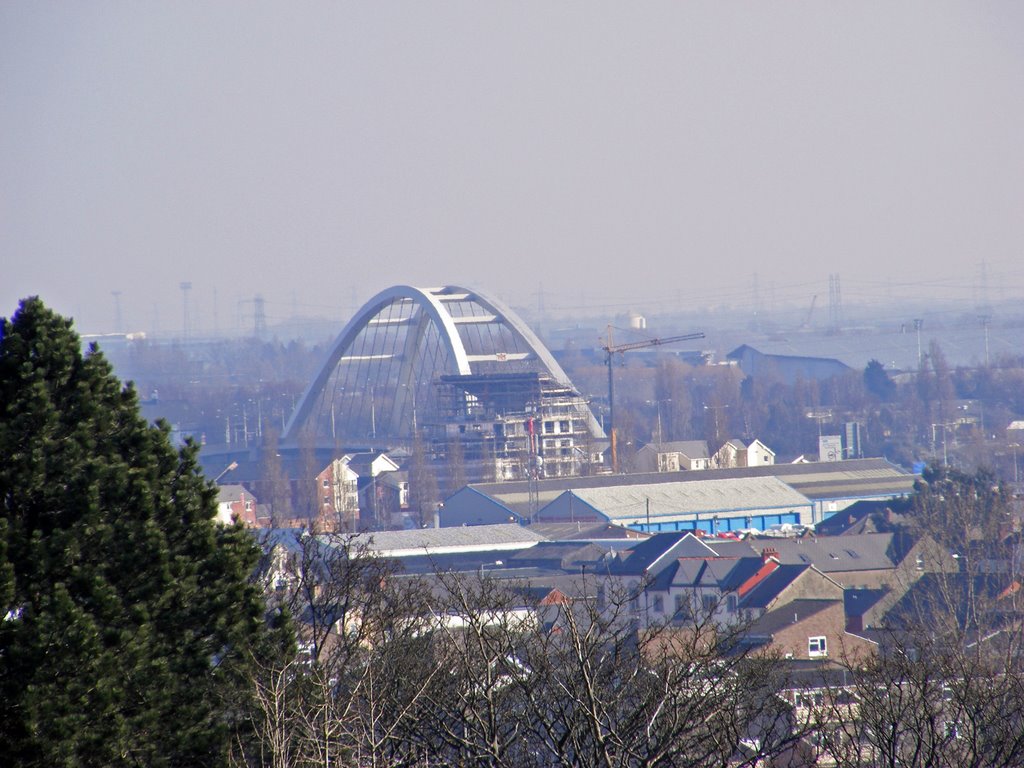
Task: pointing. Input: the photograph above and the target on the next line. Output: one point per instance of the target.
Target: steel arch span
(379, 377)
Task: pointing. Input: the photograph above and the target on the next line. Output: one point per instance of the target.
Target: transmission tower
(259, 317)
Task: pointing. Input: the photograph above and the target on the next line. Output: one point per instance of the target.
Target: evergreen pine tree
(127, 616)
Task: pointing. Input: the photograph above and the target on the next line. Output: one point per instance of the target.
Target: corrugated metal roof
(629, 504)
(439, 539)
(516, 495)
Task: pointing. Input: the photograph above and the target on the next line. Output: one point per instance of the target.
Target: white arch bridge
(382, 378)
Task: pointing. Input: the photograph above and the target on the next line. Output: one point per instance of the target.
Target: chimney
(769, 553)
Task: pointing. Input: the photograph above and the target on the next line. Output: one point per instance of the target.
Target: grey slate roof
(233, 492)
(695, 449)
(772, 585)
(864, 552)
(659, 552)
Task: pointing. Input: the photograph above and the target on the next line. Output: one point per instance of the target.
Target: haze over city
(606, 155)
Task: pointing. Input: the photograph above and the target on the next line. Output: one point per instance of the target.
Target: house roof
(732, 548)
(232, 492)
(363, 462)
(864, 552)
(862, 517)
(722, 573)
(939, 594)
(857, 602)
(758, 441)
(771, 586)
(658, 552)
(741, 570)
(694, 449)
(793, 612)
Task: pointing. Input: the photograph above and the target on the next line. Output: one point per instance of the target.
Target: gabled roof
(733, 442)
(865, 516)
(740, 572)
(766, 589)
(791, 613)
(768, 567)
(487, 506)
(720, 573)
(694, 449)
(363, 462)
(233, 492)
(937, 595)
(660, 551)
(760, 442)
(857, 602)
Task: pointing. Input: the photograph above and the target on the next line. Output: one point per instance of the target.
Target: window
(659, 603)
(731, 603)
(327, 499)
(817, 647)
(708, 602)
(634, 596)
(682, 606)
(327, 483)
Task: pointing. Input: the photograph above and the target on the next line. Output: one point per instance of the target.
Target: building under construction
(461, 374)
(512, 426)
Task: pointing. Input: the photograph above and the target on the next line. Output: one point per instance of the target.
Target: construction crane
(810, 313)
(610, 350)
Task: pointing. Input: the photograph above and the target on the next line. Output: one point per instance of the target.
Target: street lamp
(232, 466)
(716, 409)
(944, 426)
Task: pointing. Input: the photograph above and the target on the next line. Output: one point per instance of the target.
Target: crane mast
(610, 351)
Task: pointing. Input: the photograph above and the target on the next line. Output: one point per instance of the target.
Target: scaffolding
(514, 426)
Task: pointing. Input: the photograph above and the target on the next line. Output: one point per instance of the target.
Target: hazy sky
(613, 153)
